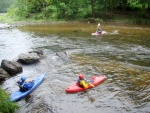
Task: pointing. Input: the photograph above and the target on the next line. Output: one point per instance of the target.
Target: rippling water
(123, 55)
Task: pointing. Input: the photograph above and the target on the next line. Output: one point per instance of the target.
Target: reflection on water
(123, 55)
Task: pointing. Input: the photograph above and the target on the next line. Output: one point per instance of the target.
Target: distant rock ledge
(6, 26)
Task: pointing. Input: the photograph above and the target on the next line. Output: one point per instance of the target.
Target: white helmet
(99, 24)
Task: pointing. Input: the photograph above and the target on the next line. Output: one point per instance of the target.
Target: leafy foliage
(4, 4)
(74, 9)
(5, 105)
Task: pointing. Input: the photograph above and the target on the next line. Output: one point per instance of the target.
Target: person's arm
(85, 85)
(25, 86)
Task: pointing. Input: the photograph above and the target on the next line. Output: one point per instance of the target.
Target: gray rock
(28, 58)
(11, 67)
(4, 26)
(3, 75)
(39, 52)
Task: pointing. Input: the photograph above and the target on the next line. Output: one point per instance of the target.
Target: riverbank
(116, 19)
(5, 105)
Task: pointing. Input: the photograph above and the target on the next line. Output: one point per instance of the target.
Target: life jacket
(79, 83)
(21, 83)
(99, 30)
(25, 86)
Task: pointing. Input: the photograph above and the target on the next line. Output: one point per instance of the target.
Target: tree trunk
(92, 4)
(124, 5)
(148, 6)
(109, 5)
(143, 7)
(113, 4)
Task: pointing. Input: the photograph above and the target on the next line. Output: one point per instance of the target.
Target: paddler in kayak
(83, 83)
(99, 30)
(24, 86)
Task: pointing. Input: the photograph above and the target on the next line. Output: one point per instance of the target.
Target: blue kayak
(19, 95)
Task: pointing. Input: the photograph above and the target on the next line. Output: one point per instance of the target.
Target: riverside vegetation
(120, 11)
(5, 105)
(124, 11)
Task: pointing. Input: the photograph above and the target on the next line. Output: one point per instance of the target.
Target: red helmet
(81, 76)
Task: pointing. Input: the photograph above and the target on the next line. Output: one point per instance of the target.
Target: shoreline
(116, 19)
(9, 25)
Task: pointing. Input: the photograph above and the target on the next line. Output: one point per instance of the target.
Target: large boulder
(11, 67)
(28, 58)
(3, 75)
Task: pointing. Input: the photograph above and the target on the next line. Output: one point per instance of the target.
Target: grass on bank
(5, 105)
(4, 18)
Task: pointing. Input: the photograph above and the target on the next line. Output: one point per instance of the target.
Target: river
(123, 55)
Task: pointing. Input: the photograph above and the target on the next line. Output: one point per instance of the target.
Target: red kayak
(74, 88)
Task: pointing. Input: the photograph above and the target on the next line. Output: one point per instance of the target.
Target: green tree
(75, 9)
(4, 4)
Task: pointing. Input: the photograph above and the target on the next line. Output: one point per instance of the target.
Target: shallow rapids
(123, 55)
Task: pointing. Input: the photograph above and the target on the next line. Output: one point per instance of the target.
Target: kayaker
(24, 86)
(99, 30)
(83, 83)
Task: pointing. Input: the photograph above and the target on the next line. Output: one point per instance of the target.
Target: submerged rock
(11, 67)
(39, 52)
(63, 55)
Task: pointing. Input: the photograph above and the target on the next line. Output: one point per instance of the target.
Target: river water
(123, 55)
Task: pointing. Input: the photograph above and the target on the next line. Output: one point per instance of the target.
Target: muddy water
(123, 55)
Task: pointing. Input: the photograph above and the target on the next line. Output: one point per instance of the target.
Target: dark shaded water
(123, 55)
